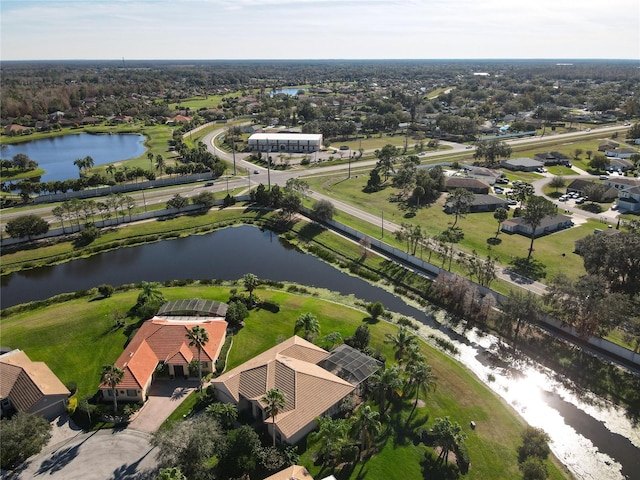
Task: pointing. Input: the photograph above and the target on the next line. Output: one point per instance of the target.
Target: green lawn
(76, 338)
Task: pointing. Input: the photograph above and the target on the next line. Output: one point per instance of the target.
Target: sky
(318, 29)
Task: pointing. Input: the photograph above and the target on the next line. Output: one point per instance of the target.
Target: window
(109, 393)
(132, 393)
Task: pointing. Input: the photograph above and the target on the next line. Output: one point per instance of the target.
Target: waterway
(591, 436)
(56, 154)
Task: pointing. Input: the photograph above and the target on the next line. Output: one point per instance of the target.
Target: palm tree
(250, 283)
(80, 163)
(367, 424)
(386, 384)
(309, 323)
(448, 436)
(112, 376)
(198, 337)
(402, 343)
(150, 293)
(274, 401)
(226, 413)
(422, 378)
(160, 163)
(88, 162)
(111, 169)
(332, 437)
(150, 157)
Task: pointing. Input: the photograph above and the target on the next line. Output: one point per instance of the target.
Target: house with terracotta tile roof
(294, 367)
(161, 344)
(30, 387)
(294, 472)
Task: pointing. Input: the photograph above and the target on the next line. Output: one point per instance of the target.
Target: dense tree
(535, 443)
(308, 323)
(533, 469)
(198, 337)
(634, 131)
(521, 192)
(21, 161)
(375, 309)
(586, 304)
(205, 199)
(519, 308)
(491, 151)
(170, 473)
(557, 182)
(26, 226)
(240, 455)
(360, 339)
(178, 202)
(236, 314)
(195, 445)
(23, 435)
(323, 210)
(290, 205)
(297, 186)
(275, 402)
(614, 257)
(534, 211)
(112, 376)
(599, 162)
(448, 436)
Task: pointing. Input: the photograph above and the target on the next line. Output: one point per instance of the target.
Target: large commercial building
(285, 142)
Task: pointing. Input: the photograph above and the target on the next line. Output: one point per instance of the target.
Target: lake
(292, 92)
(57, 154)
(594, 438)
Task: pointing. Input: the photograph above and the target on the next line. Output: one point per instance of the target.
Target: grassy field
(478, 227)
(77, 337)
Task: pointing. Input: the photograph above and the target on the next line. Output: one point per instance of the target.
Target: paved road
(103, 454)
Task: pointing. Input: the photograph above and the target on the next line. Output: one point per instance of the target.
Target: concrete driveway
(103, 454)
(164, 398)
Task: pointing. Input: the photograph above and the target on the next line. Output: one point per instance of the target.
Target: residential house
(30, 387)
(14, 129)
(621, 182)
(297, 368)
(471, 184)
(294, 472)
(549, 224)
(161, 344)
(629, 199)
(619, 165)
(580, 186)
(487, 175)
(481, 203)
(620, 152)
(522, 164)
(608, 145)
(552, 158)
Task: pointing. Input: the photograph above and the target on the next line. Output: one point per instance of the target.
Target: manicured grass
(13, 174)
(75, 339)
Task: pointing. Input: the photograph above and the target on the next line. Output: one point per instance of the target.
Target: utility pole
(233, 149)
(382, 225)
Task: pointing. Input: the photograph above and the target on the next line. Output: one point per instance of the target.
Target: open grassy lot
(76, 338)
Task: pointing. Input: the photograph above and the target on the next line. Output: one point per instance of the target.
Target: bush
(23, 435)
(87, 235)
(72, 387)
(72, 405)
(105, 290)
(270, 306)
(405, 322)
(462, 458)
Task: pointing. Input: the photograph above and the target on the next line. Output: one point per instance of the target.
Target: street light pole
(382, 225)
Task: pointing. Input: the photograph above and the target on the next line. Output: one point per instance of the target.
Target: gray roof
(350, 364)
(523, 162)
(193, 306)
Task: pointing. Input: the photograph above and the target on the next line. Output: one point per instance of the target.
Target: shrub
(72, 405)
(105, 290)
(405, 322)
(462, 457)
(270, 306)
(72, 387)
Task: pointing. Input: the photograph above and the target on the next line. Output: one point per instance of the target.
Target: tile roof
(25, 382)
(291, 366)
(165, 340)
(294, 472)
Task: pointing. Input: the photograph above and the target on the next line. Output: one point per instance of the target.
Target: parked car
(511, 201)
(498, 190)
(580, 200)
(563, 198)
(502, 180)
(208, 184)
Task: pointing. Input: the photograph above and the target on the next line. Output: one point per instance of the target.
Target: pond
(292, 92)
(592, 437)
(56, 155)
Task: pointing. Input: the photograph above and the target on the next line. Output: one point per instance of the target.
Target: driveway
(164, 398)
(99, 455)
